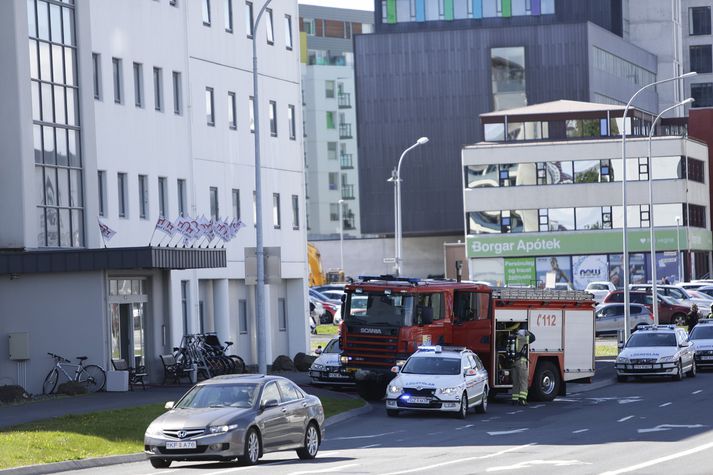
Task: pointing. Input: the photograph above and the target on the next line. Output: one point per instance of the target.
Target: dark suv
(669, 310)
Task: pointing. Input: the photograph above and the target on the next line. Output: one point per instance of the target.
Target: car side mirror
(469, 372)
(620, 345)
(395, 369)
(269, 403)
(169, 405)
(685, 344)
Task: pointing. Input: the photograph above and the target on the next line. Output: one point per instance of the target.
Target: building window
(333, 181)
(295, 212)
(214, 211)
(251, 109)
(123, 191)
(308, 26)
(291, 122)
(173, 3)
(181, 190)
(699, 20)
(288, 32)
(508, 77)
(332, 150)
(143, 196)
(162, 196)
(236, 204)
(334, 211)
(229, 16)
(101, 182)
(206, 12)
(329, 89)
(243, 316)
(268, 27)
(158, 88)
(232, 121)
(703, 94)
(273, 118)
(209, 111)
(330, 120)
(701, 58)
(138, 85)
(282, 314)
(696, 216)
(696, 169)
(177, 106)
(96, 75)
(276, 210)
(184, 305)
(116, 74)
(249, 18)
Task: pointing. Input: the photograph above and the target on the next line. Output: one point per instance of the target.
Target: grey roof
(556, 107)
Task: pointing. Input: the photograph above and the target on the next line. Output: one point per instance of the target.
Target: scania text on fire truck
(386, 319)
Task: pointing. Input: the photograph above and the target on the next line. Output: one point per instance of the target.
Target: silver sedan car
(236, 417)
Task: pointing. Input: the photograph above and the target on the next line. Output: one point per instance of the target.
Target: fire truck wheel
(547, 382)
(482, 408)
(392, 412)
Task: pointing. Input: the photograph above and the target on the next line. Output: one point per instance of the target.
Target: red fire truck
(386, 319)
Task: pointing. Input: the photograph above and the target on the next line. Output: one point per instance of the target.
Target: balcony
(346, 161)
(345, 131)
(345, 100)
(347, 192)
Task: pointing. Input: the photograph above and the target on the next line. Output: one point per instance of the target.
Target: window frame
(177, 92)
(291, 123)
(273, 118)
(138, 70)
(163, 196)
(249, 19)
(228, 12)
(269, 27)
(143, 197)
(181, 191)
(210, 106)
(123, 192)
(276, 215)
(117, 79)
(295, 212)
(158, 88)
(206, 12)
(101, 190)
(96, 76)
(214, 203)
(288, 33)
(232, 111)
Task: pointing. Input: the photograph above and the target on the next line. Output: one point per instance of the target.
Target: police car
(439, 378)
(702, 339)
(657, 350)
(326, 369)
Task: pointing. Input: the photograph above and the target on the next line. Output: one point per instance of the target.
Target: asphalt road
(650, 427)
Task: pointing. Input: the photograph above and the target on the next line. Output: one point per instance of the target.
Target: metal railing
(514, 293)
(346, 161)
(344, 100)
(345, 131)
(347, 192)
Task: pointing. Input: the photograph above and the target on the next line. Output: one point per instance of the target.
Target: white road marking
(464, 427)
(659, 460)
(515, 412)
(370, 436)
(435, 433)
(564, 399)
(370, 446)
(506, 432)
(697, 392)
(630, 399)
(326, 470)
(579, 431)
(537, 407)
(451, 462)
(665, 427)
(532, 463)
(624, 419)
(665, 404)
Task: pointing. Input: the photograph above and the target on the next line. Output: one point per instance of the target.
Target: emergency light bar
(657, 327)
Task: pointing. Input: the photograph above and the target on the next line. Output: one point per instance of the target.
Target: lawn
(327, 329)
(606, 348)
(96, 435)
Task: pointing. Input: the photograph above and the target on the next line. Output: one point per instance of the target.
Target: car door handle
(284, 410)
(304, 404)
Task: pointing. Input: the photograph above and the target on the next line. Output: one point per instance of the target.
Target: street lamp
(259, 248)
(396, 178)
(341, 236)
(625, 244)
(651, 210)
(679, 267)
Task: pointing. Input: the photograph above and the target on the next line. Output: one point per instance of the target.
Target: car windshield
(332, 347)
(597, 287)
(702, 332)
(220, 395)
(641, 339)
(432, 365)
(377, 308)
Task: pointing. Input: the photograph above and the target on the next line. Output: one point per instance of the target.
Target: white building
(139, 110)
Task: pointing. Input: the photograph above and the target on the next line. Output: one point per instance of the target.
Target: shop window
(695, 170)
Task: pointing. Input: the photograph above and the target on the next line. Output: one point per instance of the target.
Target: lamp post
(625, 243)
(259, 248)
(396, 178)
(679, 267)
(341, 236)
(652, 238)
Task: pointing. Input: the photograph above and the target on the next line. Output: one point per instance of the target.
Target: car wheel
(621, 378)
(392, 412)
(679, 371)
(309, 451)
(251, 453)
(679, 319)
(547, 382)
(463, 411)
(482, 408)
(693, 371)
(160, 463)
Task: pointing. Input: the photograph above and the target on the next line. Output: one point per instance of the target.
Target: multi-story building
(127, 112)
(551, 201)
(329, 105)
(698, 50)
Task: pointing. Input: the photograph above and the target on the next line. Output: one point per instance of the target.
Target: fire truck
(386, 319)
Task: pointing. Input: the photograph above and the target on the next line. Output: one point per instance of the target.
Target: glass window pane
(34, 59)
(586, 171)
(48, 142)
(69, 63)
(65, 235)
(55, 23)
(589, 218)
(68, 26)
(37, 139)
(35, 92)
(59, 116)
(561, 219)
(62, 187)
(494, 132)
(43, 23)
(75, 188)
(52, 227)
(72, 148)
(45, 62)
(508, 77)
(665, 214)
(61, 146)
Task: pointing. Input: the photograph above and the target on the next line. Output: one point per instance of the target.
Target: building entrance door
(127, 303)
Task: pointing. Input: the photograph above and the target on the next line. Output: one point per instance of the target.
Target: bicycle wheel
(238, 363)
(94, 377)
(50, 381)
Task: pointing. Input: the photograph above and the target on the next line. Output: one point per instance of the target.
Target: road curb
(343, 416)
(74, 464)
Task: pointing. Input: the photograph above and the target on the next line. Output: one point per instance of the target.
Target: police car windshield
(432, 365)
(377, 308)
(332, 347)
(641, 339)
(704, 332)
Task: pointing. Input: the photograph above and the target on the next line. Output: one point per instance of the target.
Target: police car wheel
(693, 371)
(392, 412)
(482, 408)
(679, 372)
(463, 411)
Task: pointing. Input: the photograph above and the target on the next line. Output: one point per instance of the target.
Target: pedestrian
(692, 317)
(521, 367)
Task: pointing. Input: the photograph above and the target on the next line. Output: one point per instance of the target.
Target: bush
(12, 393)
(303, 361)
(283, 363)
(72, 388)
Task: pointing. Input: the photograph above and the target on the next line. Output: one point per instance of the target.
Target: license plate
(337, 375)
(643, 366)
(184, 444)
(707, 357)
(420, 400)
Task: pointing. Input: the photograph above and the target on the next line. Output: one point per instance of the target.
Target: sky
(351, 4)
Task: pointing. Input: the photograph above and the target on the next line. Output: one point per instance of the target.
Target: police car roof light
(657, 327)
(705, 321)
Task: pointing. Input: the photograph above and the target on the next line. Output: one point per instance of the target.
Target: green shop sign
(520, 271)
(585, 242)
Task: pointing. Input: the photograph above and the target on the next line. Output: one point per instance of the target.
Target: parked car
(669, 310)
(599, 289)
(326, 368)
(439, 379)
(678, 294)
(657, 350)
(335, 295)
(324, 311)
(706, 289)
(236, 416)
(702, 338)
(322, 288)
(609, 317)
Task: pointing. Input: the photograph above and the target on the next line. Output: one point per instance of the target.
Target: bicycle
(93, 376)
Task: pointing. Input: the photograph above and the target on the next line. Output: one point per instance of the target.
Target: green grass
(96, 435)
(606, 348)
(328, 329)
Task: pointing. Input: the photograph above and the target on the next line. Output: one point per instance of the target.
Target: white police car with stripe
(702, 339)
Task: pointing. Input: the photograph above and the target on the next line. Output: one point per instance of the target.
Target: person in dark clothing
(692, 317)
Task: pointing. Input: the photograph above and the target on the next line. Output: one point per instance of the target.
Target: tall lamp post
(625, 243)
(396, 178)
(259, 248)
(341, 236)
(652, 238)
(679, 267)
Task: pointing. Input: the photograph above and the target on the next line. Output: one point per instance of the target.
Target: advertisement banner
(520, 272)
(560, 266)
(588, 269)
(637, 269)
(667, 267)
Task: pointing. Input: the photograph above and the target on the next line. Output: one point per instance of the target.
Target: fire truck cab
(386, 319)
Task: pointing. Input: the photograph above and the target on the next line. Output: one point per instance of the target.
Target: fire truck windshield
(377, 308)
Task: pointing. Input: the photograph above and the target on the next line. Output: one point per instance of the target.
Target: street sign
(389, 260)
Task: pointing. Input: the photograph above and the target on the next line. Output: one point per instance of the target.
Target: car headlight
(221, 429)
(317, 367)
(153, 430)
(450, 391)
(621, 359)
(667, 359)
(394, 389)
